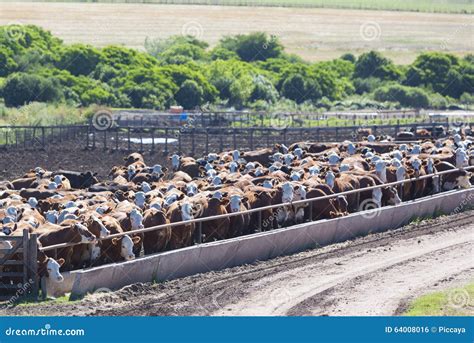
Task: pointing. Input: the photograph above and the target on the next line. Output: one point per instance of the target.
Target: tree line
(242, 71)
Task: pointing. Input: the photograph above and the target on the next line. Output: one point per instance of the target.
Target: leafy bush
(79, 59)
(21, 88)
(406, 96)
(373, 64)
(256, 46)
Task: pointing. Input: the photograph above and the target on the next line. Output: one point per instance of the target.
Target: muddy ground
(374, 275)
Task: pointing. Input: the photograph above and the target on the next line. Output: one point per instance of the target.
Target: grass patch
(31, 302)
(453, 302)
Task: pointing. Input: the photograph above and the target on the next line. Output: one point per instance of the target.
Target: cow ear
(115, 240)
(164, 169)
(61, 261)
(245, 198)
(225, 202)
(136, 239)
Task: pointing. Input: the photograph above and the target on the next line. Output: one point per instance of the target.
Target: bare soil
(373, 275)
(312, 33)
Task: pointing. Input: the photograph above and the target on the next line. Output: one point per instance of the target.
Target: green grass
(449, 6)
(453, 302)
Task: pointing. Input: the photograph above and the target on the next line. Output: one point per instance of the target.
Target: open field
(314, 34)
(449, 6)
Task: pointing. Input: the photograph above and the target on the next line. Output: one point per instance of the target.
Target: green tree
(79, 59)
(373, 64)
(20, 89)
(189, 95)
(257, 46)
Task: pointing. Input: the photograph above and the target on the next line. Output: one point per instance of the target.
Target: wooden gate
(18, 267)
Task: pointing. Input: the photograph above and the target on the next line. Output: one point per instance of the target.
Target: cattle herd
(75, 207)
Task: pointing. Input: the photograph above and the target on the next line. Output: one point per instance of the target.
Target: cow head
(296, 175)
(400, 173)
(461, 158)
(12, 212)
(136, 219)
(145, 186)
(235, 155)
(299, 153)
(5, 244)
(175, 161)
(98, 228)
(131, 171)
(314, 170)
(140, 199)
(390, 196)
(33, 202)
(287, 195)
(416, 150)
(351, 149)
(49, 268)
(300, 192)
(186, 211)
(132, 158)
(158, 170)
(288, 159)
(87, 237)
(52, 216)
(235, 202)
(381, 170)
(191, 189)
(126, 246)
(416, 164)
(333, 159)
(211, 157)
(344, 167)
(395, 163)
(6, 231)
(233, 167)
(330, 177)
(156, 205)
(397, 155)
(216, 181)
(268, 184)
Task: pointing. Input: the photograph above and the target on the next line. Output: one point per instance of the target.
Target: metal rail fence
(27, 245)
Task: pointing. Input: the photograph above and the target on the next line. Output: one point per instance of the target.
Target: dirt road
(373, 275)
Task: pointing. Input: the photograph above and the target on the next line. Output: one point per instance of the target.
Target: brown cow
(155, 241)
(181, 235)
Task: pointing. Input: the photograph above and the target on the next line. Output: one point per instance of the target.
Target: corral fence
(240, 119)
(18, 267)
(436, 177)
(191, 140)
(24, 280)
(196, 141)
(39, 137)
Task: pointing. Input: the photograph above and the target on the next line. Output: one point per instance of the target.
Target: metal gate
(18, 267)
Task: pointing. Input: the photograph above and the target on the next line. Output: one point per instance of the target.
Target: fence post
(251, 138)
(128, 139)
(193, 143)
(207, 141)
(33, 263)
(26, 237)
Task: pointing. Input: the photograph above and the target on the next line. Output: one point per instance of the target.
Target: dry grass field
(313, 33)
